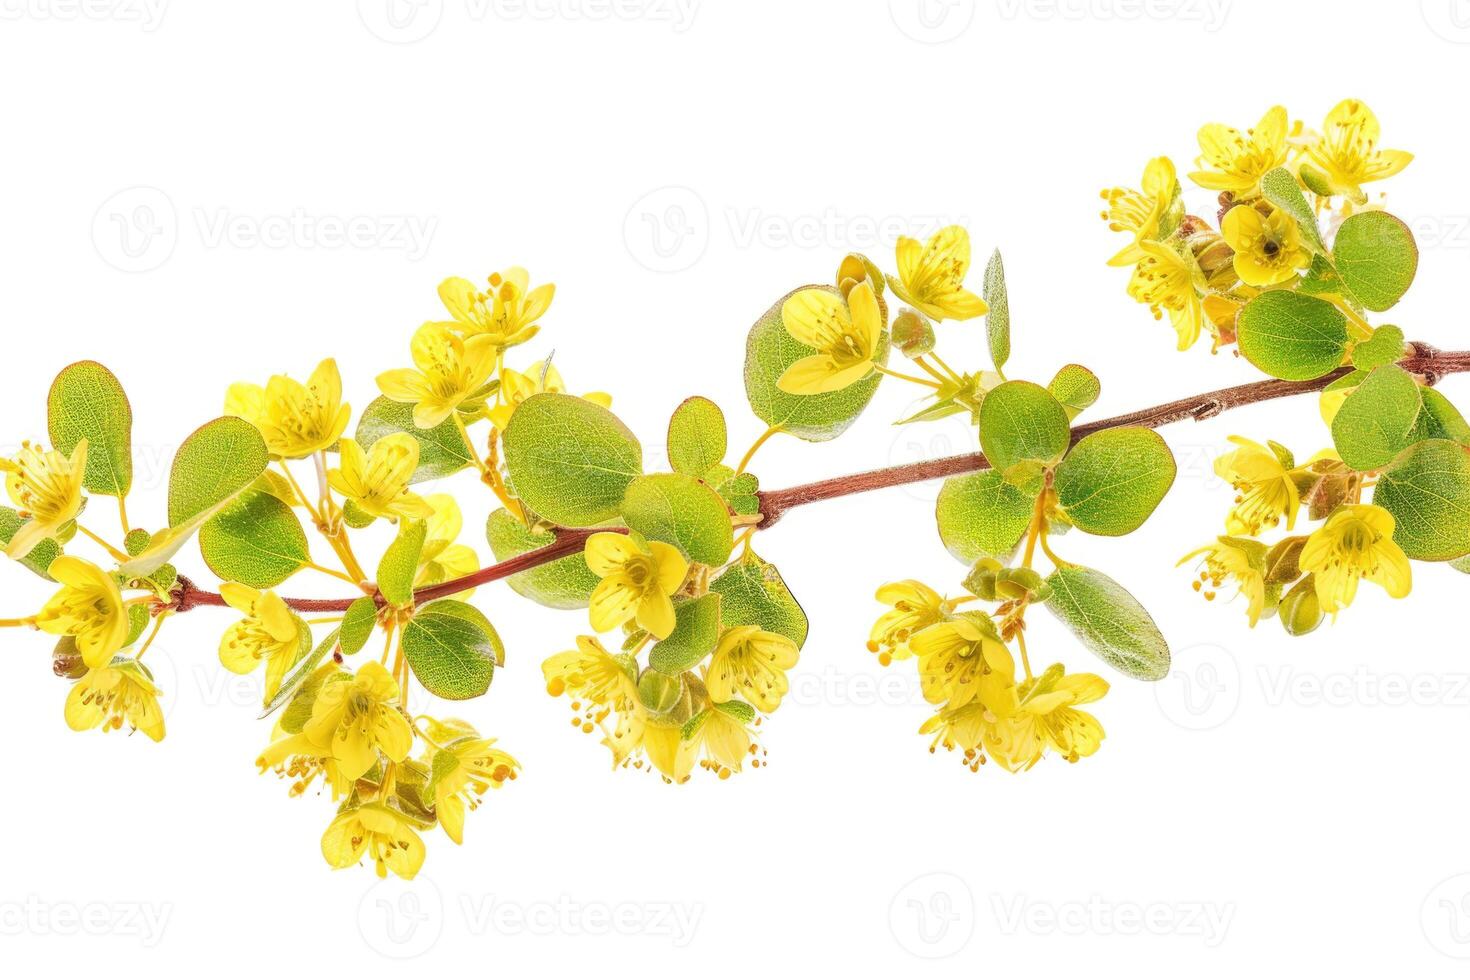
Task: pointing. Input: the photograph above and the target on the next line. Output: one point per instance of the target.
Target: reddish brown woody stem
(1426, 361)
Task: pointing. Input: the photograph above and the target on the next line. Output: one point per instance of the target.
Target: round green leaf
(980, 515)
(1291, 336)
(400, 562)
(357, 625)
(452, 649)
(570, 460)
(1428, 493)
(1112, 480)
(1106, 618)
(752, 593)
(255, 540)
(1021, 425)
(566, 583)
(682, 511)
(1385, 347)
(1376, 257)
(697, 437)
(87, 402)
(442, 449)
(216, 462)
(1379, 419)
(696, 630)
(769, 351)
(1075, 387)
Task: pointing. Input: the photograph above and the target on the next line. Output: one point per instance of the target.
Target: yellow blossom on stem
(377, 480)
(590, 672)
(298, 758)
(109, 697)
(1166, 281)
(751, 662)
(357, 716)
(1268, 247)
(295, 420)
(845, 336)
(461, 773)
(955, 655)
(270, 632)
(89, 607)
(1356, 543)
(448, 369)
(638, 579)
(45, 487)
(1044, 715)
(1266, 493)
(667, 749)
(386, 837)
(1347, 150)
(505, 313)
(915, 606)
(931, 276)
(1240, 560)
(1239, 160)
(1139, 212)
(720, 734)
(541, 377)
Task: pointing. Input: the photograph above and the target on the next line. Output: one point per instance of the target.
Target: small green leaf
(980, 515)
(566, 583)
(697, 437)
(770, 350)
(738, 489)
(41, 556)
(1109, 622)
(696, 631)
(442, 449)
(1428, 493)
(1442, 420)
(255, 540)
(1022, 423)
(452, 649)
(1280, 188)
(400, 562)
(1385, 347)
(1112, 480)
(357, 625)
(216, 462)
(87, 402)
(1293, 337)
(1076, 388)
(998, 320)
(1379, 419)
(682, 511)
(570, 460)
(1376, 257)
(752, 593)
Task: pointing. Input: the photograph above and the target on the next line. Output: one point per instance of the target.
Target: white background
(1292, 803)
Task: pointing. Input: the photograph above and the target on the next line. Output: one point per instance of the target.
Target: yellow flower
(931, 276)
(751, 662)
(1265, 490)
(89, 607)
(667, 749)
(590, 672)
(46, 487)
(845, 336)
(1238, 559)
(462, 772)
(1239, 160)
(1347, 151)
(107, 697)
(374, 829)
(296, 420)
(441, 559)
(1140, 213)
(356, 717)
(506, 313)
(719, 733)
(1355, 543)
(955, 655)
(377, 481)
(638, 579)
(1268, 248)
(269, 632)
(298, 758)
(915, 607)
(1165, 280)
(1044, 716)
(516, 387)
(447, 370)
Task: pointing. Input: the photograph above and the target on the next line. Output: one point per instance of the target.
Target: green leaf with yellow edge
(256, 540)
(1076, 388)
(1291, 336)
(1427, 491)
(1376, 257)
(1112, 480)
(1107, 620)
(86, 401)
(1021, 425)
(1442, 420)
(216, 462)
(357, 625)
(738, 489)
(400, 562)
(566, 583)
(41, 556)
(697, 437)
(752, 593)
(452, 649)
(770, 350)
(1385, 347)
(682, 511)
(998, 319)
(442, 449)
(570, 460)
(980, 515)
(696, 630)
(1279, 186)
(1379, 419)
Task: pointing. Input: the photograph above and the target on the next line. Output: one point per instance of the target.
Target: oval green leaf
(980, 515)
(357, 625)
(1291, 336)
(1022, 423)
(86, 401)
(697, 437)
(217, 461)
(682, 511)
(1075, 387)
(442, 449)
(1428, 493)
(570, 460)
(1112, 480)
(1379, 419)
(255, 540)
(696, 630)
(452, 649)
(998, 319)
(752, 593)
(566, 583)
(1107, 620)
(1376, 257)
(400, 562)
